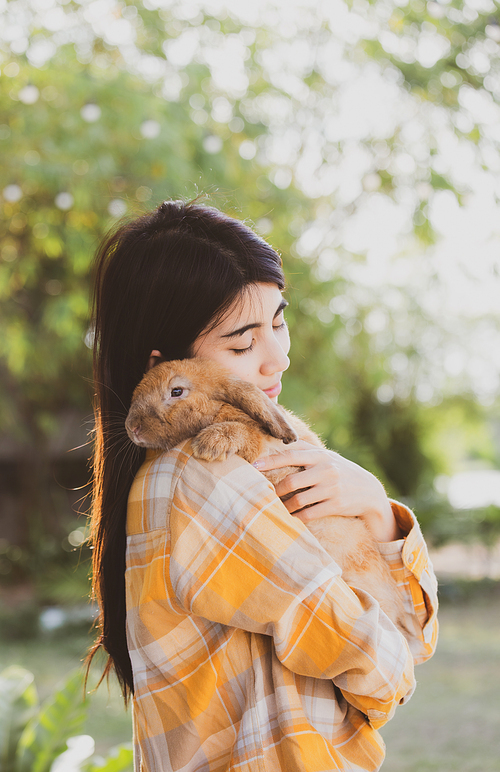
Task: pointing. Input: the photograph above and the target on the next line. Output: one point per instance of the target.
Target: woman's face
(252, 340)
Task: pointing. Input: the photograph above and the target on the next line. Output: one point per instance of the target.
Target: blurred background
(361, 139)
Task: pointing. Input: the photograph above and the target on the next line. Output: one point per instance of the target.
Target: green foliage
(459, 428)
(44, 737)
(32, 737)
(119, 759)
(18, 704)
(465, 29)
(70, 176)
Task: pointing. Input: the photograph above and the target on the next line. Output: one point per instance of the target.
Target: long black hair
(160, 280)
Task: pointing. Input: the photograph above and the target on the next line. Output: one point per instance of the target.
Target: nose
(134, 432)
(276, 359)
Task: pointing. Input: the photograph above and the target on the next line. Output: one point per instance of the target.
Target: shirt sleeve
(240, 559)
(412, 570)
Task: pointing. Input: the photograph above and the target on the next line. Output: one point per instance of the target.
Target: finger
(294, 456)
(306, 478)
(304, 499)
(314, 512)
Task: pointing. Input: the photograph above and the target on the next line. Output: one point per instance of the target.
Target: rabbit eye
(176, 392)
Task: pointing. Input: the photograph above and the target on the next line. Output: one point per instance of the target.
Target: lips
(273, 391)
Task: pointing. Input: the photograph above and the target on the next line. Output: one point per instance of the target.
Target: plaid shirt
(249, 651)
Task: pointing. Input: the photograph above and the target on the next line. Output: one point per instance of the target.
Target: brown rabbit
(198, 398)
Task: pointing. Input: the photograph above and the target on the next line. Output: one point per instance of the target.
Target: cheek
(237, 365)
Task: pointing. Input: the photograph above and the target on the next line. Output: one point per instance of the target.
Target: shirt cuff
(410, 549)
(410, 566)
(406, 521)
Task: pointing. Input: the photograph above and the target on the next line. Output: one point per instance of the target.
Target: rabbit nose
(134, 432)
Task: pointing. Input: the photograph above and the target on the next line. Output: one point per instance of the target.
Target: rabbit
(198, 398)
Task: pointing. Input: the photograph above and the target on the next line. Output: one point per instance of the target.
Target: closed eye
(249, 348)
(244, 350)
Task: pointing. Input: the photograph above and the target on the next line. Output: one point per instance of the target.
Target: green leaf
(45, 736)
(18, 703)
(120, 759)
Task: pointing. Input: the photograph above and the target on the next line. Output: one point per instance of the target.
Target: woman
(220, 612)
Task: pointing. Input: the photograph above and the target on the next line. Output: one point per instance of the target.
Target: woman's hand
(333, 486)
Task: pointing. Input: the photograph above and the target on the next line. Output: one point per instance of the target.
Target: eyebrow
(255, 325)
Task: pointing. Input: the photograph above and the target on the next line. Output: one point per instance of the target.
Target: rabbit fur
(199, 398)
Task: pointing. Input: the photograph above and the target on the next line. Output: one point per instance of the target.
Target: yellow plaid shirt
(249, 651)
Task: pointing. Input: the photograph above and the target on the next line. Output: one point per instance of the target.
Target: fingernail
(258, 464)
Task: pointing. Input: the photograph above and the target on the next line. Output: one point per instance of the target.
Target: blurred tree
(106, 109)
(83, 145)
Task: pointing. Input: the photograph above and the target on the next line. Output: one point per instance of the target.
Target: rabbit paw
(213, 444)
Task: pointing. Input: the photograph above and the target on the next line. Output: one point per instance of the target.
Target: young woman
(221, 614)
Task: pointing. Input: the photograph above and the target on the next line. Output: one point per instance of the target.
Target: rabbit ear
(258, 406)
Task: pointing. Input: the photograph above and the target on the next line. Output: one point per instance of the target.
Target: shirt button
(411, 557)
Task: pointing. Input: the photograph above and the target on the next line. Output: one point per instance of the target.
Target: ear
(154, 358)
(258, 406)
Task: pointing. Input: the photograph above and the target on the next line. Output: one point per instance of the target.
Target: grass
(450, 724)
